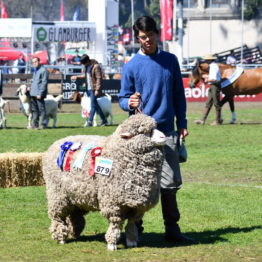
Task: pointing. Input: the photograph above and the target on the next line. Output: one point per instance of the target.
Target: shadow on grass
(157, 240)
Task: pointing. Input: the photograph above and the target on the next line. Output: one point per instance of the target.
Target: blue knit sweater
(158, 79)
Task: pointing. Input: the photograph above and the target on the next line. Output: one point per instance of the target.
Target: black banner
(69, 86)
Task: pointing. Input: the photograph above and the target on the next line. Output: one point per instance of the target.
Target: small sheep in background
(131, 188)
(103, 101)
(2, 112)
(51, 103)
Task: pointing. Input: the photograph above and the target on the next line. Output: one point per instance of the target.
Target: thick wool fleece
(130, 190)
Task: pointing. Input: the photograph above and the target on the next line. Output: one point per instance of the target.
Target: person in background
(92, 73)
(76, 60)
(152, 83)
(231, 59)
(38, 92)
(213, 79)
(20, 63)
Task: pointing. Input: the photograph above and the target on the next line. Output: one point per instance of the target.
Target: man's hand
(73, 77)
(134, 100)
(96, 93)
(38, 97)
(183, 133)
(205, 78)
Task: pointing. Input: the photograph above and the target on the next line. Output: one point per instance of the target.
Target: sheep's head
(23, 93)
(141, 133)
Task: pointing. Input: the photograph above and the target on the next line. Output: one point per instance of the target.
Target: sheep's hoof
(112, 247)
(62, 242)
(130, 243)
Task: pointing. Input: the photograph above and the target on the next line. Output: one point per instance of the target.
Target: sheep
(2, 112)
(51, 104)
(131, 189)
(104, 103)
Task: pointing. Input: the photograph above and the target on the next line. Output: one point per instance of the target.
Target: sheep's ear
(126, 135)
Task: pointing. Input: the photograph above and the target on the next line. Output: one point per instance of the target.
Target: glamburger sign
(64, 32)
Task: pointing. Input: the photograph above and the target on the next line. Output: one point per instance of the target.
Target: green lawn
(220, 201)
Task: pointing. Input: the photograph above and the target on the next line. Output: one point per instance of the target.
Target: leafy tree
(252, 8)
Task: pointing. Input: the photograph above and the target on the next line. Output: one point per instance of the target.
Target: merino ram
(51, 103)
(128, 188)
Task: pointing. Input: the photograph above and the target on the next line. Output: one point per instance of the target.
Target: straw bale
(21, 169)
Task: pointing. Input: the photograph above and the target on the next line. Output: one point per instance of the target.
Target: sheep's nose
(158, 137)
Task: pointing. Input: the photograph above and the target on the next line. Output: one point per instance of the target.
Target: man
(152, 83)
(38, 92)
(213, 78)
(20, 63)
(93, 76)
(76, 60)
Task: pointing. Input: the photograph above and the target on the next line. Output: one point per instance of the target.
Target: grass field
(220, 201)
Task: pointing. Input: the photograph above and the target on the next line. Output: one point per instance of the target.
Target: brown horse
(248, 83)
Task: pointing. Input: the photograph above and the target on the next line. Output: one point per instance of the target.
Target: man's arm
(179, 98)
(128, 99)
(44, 82)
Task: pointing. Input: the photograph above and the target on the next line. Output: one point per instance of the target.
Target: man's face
(148, 41)
(35, 62)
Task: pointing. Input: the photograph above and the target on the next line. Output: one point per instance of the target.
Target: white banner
(74, 32)
(16, 27)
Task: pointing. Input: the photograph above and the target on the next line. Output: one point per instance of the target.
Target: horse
(249, 81)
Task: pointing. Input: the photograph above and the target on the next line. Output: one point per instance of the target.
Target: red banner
(3, 10)
(200, 93)
(166, 15)
(62, 11)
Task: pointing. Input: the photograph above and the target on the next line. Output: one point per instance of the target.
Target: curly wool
(128, 192)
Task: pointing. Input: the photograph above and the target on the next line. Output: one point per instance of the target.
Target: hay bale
(21, 169)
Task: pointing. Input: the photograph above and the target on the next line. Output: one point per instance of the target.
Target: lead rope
(140, 108)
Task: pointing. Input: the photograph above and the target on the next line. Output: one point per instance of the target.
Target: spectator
(93, 76)
(76, 60)
(38, 92)
(231, 59)
(151, 82)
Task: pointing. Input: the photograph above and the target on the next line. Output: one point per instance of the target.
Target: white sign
(103, 166)
(73, 32)
(16, 27)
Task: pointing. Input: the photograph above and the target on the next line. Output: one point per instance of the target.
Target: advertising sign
(74, 32)
(200, 93)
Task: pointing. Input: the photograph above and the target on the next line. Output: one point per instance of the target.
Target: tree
(252, 7)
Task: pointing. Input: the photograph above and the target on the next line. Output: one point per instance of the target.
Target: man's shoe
(199, 122)
(104, 123)
(88, 124)
(179, 238)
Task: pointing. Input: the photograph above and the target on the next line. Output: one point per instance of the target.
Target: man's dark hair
(37, 58)
(84, 59)
(146, 24)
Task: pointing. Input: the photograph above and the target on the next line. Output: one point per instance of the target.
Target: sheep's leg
(111, 119)
(54, 121)
(59, 230)
(131, 234)
(76, 223)
(113, 233)
(94, 120)
(29, 121)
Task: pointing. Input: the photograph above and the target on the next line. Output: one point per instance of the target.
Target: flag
(166, 15)
(76, 15)
(3, 10)
(62, 11)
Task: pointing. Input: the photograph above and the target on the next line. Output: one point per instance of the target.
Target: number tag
(103, 166)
